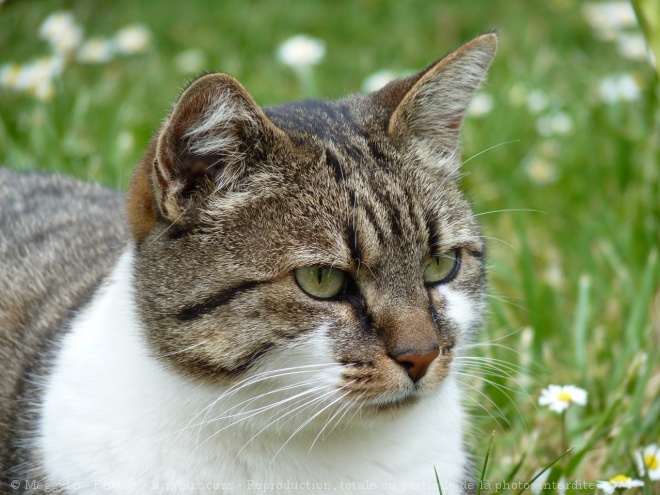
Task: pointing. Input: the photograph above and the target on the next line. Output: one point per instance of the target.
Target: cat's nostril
(416, 364)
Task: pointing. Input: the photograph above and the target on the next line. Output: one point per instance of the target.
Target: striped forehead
(385, 213)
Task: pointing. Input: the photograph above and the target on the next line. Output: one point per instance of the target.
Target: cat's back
(58, 238)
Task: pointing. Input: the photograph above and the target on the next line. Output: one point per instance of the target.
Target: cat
(279, 309)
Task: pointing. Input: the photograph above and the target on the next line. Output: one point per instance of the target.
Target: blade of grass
(600, 429)
(580, 325)
(647, 13)
(516, 468)
(483, 470)
(527, 485)
(437, 478)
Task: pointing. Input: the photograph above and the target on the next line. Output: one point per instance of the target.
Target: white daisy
(555, 123)
(619, 482)
(537, 101)
(61, 31)
(622, 87)
(301, 51)
(190, 61)
(377, 80)
(540, 170)
(607, 18)
(35, 77)
(96, 51)
(133, 39)
(481, 105)
(649, 460)
(9, 75)
(559, 397)
(632, 46)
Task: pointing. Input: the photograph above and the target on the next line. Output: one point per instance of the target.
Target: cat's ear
(206, 145)
(427, 109)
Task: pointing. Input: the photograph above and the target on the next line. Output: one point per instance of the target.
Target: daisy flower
(541, 171)
(537, 101)
(301, 51)
(377, 80)
(622, 87)
(481, 105)
(649, 460)
(96, 51)
(61, 31)
(608, 18)
(555, 123)
(559, 397)
(132, 39)
(190, 61)
(620, 482)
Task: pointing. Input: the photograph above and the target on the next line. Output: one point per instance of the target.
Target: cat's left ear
(431, 105)
(207, 144)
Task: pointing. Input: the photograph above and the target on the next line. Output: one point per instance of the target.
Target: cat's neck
(110, 406)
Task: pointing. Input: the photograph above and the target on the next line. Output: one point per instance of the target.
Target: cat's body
(193, 353)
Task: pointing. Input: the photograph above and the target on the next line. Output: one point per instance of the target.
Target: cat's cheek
(461, 309)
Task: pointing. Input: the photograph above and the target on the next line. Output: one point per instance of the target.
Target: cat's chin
(389, 406)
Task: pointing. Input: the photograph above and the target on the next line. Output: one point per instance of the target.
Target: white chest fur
(116, 421)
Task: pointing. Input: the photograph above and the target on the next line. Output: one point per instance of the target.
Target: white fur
(216, 131)
(116, 421)
(460, 308)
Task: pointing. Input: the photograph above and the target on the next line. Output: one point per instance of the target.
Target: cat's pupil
(319, 274)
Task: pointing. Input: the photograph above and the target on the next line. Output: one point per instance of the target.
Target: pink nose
(417, 364)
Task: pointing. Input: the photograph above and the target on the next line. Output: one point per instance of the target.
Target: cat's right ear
(427, 109)
(206, 145)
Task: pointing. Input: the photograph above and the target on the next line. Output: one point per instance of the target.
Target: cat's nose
(417, 364)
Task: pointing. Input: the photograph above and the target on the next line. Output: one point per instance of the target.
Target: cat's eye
(323, 282)
(442, 268)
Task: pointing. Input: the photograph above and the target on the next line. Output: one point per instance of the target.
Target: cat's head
(323, 243)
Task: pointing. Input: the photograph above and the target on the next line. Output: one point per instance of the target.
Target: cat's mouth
(387, 400)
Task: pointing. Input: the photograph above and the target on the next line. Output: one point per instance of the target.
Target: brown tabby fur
(227, 202)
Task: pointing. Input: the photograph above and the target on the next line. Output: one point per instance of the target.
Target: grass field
(569, 192)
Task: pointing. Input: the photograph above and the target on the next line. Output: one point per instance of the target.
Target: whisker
(503, 389)
(475, 215)
(279, 418)
(507, 301)
(468, 396)
(495, 363)
(502, 415)
(246, 402)
(343, 407)
(307, 392)
(185, 349)
(488, 149)
(251, 380)
(500, 240)
(351, 404)
(492, 344)
(309, 421)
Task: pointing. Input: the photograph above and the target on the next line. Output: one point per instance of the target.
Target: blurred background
(561, 149)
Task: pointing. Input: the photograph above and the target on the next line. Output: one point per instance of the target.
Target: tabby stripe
(373, 220)
(200, 309)
(396, 228)
(377, 152)
(416, 220)
(352, 242)
(434, 235)
(333, 161)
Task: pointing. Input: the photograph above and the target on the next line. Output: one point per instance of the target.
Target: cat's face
(325, 244)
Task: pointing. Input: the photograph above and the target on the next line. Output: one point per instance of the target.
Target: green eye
(323, 282)
(442, 268)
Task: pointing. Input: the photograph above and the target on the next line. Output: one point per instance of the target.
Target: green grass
(574, 269)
